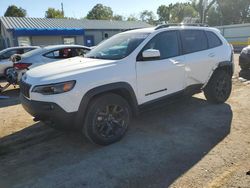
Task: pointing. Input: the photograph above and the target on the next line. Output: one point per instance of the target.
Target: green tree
(214, 17)
(163, 12)
(53, 13)
(234, 12)
(148, 16)
(132, 18)
(181, 10)
(118, 17)
(14, 11)
(198, 5)
(100, 12)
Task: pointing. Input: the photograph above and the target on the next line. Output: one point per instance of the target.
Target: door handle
(211, 55)
(178, 62)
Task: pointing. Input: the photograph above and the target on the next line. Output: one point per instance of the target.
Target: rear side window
(213, 40)
(25, 50)
(60, 54)
(193, 41)
(79, 51)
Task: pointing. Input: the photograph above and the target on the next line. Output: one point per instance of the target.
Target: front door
(163, 76)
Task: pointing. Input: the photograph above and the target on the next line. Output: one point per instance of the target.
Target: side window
(25, 50)
(79, 51)
(65, 53)
(193, 41)
(60, 54)
(213, 40)
(166, 43)
(53, 54)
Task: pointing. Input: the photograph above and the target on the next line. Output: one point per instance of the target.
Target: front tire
(219, 87)
(107, 119)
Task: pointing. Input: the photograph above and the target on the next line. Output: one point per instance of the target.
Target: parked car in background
(6, 63)
(244, 59)
(45, 55)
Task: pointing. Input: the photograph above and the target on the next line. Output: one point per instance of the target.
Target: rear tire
(7, 70)
(219, 87)
(107, 119)
(244, 67)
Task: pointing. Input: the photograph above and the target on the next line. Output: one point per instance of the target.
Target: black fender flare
(122, 88)
(228, 65)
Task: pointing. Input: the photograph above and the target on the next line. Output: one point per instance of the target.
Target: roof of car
(18, 47)
(181, 27)
(21, 47)
(51, 47)
(47, 49)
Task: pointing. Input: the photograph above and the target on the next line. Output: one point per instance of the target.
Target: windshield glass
(118, 46)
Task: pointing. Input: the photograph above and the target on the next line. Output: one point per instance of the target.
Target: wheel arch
(123, 89)
(227, 66)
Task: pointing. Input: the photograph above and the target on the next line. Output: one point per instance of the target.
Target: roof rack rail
(180, 24)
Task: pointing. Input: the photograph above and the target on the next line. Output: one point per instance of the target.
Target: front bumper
(244, 60)
(48, 111)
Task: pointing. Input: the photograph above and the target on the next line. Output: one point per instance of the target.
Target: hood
(66, 68)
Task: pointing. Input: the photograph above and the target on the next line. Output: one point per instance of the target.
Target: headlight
(57, 88)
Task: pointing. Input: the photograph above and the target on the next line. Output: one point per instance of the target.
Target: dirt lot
(187, 144)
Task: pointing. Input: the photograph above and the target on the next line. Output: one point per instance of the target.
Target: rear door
(199, 59)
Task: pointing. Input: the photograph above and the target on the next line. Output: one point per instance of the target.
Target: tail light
(22, 66)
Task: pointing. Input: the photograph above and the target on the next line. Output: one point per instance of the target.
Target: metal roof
(47, 23)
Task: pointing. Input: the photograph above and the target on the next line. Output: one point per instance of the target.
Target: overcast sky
(80, 8)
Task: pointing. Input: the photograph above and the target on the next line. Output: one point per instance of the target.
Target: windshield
(118, 46)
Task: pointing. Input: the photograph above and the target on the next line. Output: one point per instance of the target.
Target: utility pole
(204, 7)
(62, 9)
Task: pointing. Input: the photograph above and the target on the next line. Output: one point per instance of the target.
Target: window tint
(25, 50)
(79, 51)
(213, 40)
(60, 54)
(166, 43)
(193, 41)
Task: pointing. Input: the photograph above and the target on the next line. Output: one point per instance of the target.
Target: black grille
(25, 88)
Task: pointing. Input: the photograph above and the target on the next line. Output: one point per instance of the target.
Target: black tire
(107, 119)
(219, 87)
(6, 70)
(244, 67)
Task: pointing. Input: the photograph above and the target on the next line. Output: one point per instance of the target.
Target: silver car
(48, 54)
(5, 55)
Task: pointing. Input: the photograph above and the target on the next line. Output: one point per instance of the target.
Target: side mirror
(151, 54)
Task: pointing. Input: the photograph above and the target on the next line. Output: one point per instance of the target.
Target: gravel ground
(187, 144)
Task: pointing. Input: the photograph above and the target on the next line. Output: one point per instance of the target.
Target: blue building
(16, 31)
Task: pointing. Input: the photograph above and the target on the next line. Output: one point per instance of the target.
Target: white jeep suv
(99, 93)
